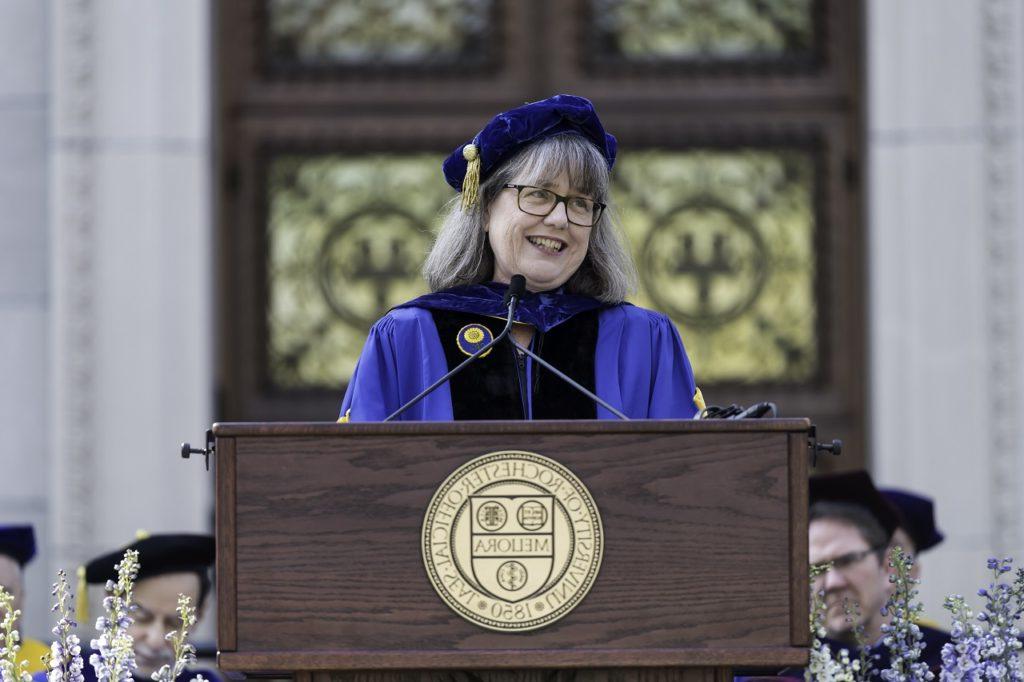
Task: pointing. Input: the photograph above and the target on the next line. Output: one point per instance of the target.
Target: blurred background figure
(17, 548)
(917, 532)
(852, 525)
(169, 565)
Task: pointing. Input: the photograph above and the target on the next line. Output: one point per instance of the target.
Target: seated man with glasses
(171, 565)
(852, 526)
(535, 189)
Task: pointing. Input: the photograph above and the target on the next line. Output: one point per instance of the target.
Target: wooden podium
(320, 573)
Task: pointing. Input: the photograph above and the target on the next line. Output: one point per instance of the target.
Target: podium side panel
(799, 616)
(227, 598)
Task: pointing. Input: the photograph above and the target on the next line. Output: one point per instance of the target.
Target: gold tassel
(698, 400)
(344, 418)
(82, 598)
(471, 183)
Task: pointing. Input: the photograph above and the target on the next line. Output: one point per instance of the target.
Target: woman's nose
(559, 216)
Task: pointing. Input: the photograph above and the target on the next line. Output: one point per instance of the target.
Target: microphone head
(516, 287)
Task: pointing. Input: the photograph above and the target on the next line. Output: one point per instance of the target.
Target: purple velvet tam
(513, 130)
(918, 514)
(18, 542)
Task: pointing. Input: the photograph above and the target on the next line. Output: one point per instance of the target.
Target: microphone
(757, 411)
(569, 380)
(516, 289)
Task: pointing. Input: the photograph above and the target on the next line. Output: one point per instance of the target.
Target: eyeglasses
(538, 201)
(849, 559)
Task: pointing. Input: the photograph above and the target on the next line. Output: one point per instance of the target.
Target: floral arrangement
(65, 664)
(10, 670)
(902, 635)
(184, 653)
(986, 646)
(113, 659)
(823, 664)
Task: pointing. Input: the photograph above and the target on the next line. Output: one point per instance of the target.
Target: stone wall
(105, 273)
(946, 234)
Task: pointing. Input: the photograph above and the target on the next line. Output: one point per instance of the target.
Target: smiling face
(545, 250)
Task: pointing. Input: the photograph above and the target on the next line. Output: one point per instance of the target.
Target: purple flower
(114, 659)
(903, 637)
(990, 650)
(65, 664)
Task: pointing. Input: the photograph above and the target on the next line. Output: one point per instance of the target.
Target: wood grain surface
(328, 573)
(564, 675)
(225, 429)
(225, 463)
(799, 610)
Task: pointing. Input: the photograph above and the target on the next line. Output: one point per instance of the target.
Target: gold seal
(512, 541)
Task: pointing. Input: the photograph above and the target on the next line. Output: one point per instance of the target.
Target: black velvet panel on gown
(490, 387)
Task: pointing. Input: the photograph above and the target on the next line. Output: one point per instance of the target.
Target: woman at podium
(535, 202)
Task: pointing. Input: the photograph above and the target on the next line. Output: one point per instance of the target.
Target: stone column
(24, 286)
(131, 243)
(946, 253)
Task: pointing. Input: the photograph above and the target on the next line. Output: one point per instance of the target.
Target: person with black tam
(169, 565)
(535, 202)
(17, 548)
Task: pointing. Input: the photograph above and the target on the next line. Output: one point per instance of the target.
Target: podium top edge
(230, 429)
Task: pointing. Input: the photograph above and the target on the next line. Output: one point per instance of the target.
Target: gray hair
(462, 254)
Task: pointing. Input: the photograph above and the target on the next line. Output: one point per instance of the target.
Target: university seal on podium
(512, 541)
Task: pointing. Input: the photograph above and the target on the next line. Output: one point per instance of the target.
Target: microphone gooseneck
(515, 291)
(569, 380)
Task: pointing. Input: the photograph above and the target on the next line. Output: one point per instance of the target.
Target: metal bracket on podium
(834, 448)
(187, 450)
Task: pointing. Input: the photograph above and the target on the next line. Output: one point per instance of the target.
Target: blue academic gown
(640, 364)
